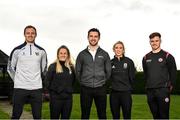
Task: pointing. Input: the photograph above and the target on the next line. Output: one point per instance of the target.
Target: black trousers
(100, 98)
(159, 102)
(60, 105)
(121, 100)
(21, 96)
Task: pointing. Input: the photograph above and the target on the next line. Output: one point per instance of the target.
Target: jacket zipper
(94, 71)
(93, 61)
(94, 64)
(30, 50)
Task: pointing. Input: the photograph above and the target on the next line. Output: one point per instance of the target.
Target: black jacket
(123, 74)
(159, 69)
(60, 83)
(93, 73)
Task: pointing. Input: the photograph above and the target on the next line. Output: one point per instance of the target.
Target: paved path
(7, 107)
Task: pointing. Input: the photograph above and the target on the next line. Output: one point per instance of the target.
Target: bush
(138, 86)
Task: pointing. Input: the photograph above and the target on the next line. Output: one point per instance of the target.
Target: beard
(93, 44)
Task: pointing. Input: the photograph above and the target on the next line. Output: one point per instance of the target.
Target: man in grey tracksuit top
(27, 64)
(93, 68)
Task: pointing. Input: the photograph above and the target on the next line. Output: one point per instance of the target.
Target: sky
(66, 22)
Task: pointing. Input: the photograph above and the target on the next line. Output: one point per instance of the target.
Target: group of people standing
(28, 65)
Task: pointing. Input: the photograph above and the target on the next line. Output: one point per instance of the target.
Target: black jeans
(159, 102)
(118, 100)
(21, 96)
(60, 106)
(100, 98)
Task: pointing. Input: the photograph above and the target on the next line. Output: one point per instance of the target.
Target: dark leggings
(120, 100)
(60, 106)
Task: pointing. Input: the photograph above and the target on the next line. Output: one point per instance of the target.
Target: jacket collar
(25, 43)
(121, 58)
(87, 49)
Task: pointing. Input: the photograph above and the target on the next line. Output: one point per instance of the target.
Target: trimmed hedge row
(139, 85)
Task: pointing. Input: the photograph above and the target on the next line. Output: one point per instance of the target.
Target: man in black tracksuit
(160, 74)
(122, 77)
(93, 68)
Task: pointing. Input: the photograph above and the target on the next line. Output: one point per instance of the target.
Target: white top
(93, 52)
(26, 64)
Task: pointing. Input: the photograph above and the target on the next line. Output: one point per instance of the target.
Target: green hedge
(176, 90)
(139, 84)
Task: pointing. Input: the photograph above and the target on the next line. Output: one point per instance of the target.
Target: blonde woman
(122, 77)
(59, 79)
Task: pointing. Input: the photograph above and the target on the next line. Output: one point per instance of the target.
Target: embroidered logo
(160, 59)
(166, 99)
(149, 60)
(100, 57)
(125, 66)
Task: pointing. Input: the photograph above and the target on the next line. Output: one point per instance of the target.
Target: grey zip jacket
(27, 63)
(93, 73)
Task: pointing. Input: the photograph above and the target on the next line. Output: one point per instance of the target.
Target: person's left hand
(171, 88)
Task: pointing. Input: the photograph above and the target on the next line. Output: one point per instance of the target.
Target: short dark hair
(154, 34)
(30, 26)
(94, 30)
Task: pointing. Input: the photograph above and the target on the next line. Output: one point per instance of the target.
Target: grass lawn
(4, 115)
(140, 109)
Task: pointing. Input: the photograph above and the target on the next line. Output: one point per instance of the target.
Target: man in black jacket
(93, 68)
(160, 74)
